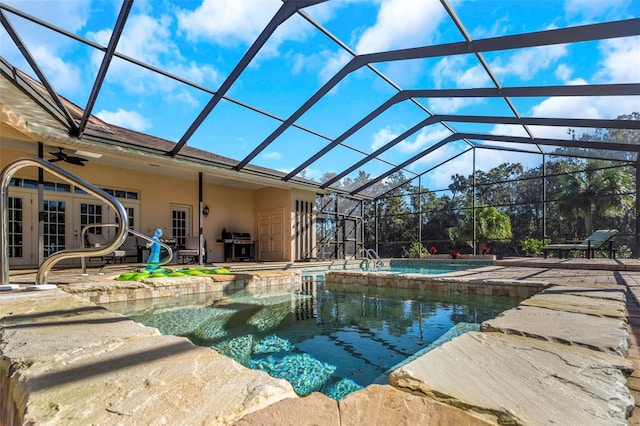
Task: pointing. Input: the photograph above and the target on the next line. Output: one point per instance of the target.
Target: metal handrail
(83, 232)
(151, 240)
(43, 270)
(369, 255)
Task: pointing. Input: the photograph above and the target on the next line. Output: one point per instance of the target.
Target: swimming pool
(402, 266)
(332, 338)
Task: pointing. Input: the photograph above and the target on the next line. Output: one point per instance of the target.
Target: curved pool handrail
(369, 255)
(151, 240)
(83, 232)
(43, 270)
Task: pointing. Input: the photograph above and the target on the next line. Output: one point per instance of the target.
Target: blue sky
(202, 41)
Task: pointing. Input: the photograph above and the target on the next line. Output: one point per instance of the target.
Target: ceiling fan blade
(75, 160)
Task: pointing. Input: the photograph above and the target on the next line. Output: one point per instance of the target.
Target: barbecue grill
(238, 246)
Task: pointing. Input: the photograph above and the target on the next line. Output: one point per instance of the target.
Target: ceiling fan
(62, 156)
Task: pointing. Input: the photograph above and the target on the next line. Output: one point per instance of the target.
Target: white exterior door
(180, 224)
(271, 233)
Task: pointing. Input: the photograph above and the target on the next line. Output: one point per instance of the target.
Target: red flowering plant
(433, 250)
(485, 250)
(455, 254)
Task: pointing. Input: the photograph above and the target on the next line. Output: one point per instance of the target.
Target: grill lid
(236, 236)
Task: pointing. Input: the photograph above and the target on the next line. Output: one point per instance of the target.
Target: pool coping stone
(600, 285)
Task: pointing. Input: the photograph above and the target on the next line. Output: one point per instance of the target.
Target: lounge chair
(601, 240)
(97, 240)
(191, 250)
(130, 248)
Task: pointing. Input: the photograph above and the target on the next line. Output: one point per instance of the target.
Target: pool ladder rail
(370, 260)
(48, 263)
(167, 259)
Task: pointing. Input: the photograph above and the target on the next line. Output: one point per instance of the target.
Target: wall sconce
(205, 211)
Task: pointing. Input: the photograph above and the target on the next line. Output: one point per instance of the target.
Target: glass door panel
(180, 224)
(92, 214)
(54, 216)
(22, 242)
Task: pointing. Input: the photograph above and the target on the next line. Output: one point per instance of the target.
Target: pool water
(326, 337)
(435, 268)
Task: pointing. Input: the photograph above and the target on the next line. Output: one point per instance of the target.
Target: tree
(491, 224)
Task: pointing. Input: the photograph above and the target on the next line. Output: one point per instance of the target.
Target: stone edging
(529, 365)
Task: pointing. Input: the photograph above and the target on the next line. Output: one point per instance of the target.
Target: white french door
(180, 223)
(23, 243)
(62, 219)
(57, 230)
(91, 211)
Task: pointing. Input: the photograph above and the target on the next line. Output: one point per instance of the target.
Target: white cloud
(589, 10)
(128, 119)
(150, 40)
(63, 76)
(580, 107)
(526, 63)
(187, 98)
(233, 23)
(453, 71)
(401, 23)
(563, 72)
(71, 15)
(422, 141)
(425, 138)
(205, 74)
(48, 50)
(621, 63)
(509, 130)
(273, 155)
(440, 178)
(553, 107)
(227, 22)
(308, 173)
(381, 137)
(325, 63)
(314, 174)
(333, 64)
(569, 107)
(451, 105)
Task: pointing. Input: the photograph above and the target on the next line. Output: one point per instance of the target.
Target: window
(15, 227)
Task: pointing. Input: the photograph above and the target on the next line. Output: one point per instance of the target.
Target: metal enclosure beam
(288, 8)
(36, 68)
(104, 66)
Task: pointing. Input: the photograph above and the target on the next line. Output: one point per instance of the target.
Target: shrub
(417, 250)
(533, 246)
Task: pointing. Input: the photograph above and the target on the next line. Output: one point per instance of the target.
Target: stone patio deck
(566, 356)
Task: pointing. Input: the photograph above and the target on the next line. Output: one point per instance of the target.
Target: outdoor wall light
(205, 211)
